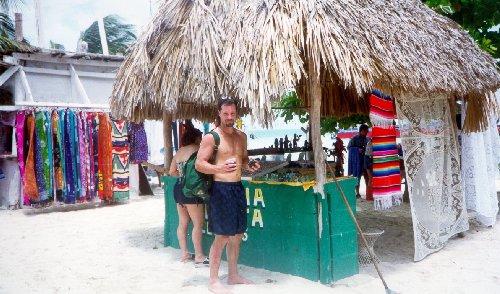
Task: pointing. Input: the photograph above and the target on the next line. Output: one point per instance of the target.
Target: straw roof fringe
(257, 49)
(175, 61)
(400, 44)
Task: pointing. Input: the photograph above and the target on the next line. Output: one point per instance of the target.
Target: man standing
(356, 148)
(227, 217)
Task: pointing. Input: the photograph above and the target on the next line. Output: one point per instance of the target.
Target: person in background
(339, 154)
(356, 148)
(189, 209)
(368, 167)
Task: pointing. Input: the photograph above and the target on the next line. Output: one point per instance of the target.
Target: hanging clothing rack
(27, 105)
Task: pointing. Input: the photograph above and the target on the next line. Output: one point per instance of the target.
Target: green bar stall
(291, 229)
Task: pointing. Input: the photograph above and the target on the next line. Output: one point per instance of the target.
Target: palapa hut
(333, 53)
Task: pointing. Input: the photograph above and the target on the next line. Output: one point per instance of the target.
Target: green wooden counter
(284, 231)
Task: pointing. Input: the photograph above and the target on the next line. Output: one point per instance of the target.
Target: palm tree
(119, 35)
(8, 40)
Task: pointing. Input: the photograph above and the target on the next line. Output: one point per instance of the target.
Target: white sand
(119, 249)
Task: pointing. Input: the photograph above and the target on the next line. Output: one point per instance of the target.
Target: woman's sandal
(204, 263)
(190, 257)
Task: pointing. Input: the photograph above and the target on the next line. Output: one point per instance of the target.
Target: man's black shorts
(227, 210)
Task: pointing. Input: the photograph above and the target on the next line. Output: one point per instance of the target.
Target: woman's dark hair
(190, 136)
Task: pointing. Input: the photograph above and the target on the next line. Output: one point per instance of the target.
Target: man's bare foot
(218, 288)
(238, 280)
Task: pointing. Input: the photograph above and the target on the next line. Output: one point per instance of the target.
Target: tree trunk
(314, 117)
(167, 139)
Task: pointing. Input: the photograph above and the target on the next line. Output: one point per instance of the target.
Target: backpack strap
(216, 138)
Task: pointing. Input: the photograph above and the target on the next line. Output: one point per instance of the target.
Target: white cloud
(63, 20)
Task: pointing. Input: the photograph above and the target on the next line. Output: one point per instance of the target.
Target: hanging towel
(386, 172)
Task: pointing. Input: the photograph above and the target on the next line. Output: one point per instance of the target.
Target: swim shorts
(181, 199)
(227, 209)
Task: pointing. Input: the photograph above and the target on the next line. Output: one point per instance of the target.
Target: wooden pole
(167, 139)
(314, 118)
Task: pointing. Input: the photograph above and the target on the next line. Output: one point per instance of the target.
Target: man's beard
(229, 124)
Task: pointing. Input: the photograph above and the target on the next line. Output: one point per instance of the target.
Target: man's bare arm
(245, 161)
(207, 147)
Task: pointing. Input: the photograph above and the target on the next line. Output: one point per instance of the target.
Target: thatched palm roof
(401, 46)
(191, 52)
(175, 66)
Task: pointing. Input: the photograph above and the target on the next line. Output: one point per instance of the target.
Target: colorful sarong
(20, 118)
(48, 133)
(386, 173)
(105, 158)
(90, 155)
(42, 155)
(30, 184)
(39, 168)
(381, 109)
(82, 161)
(120, 160)
(75, 160)
(70, 196)
(95, 138)
(57, 157)
(138, 143)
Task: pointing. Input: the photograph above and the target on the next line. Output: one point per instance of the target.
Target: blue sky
(63, 20)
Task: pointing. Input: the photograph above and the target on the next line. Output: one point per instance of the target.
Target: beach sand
(119, 249)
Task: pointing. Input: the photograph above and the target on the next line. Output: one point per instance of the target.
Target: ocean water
(265, 138)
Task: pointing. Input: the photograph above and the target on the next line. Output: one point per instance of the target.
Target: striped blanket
(381, 109)
(386, 173)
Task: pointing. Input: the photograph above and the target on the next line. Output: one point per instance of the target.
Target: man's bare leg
(232, 253)
(215, 256)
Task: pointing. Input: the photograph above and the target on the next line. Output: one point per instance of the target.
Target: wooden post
(314, 118)
(325, 245)
(167, 139)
